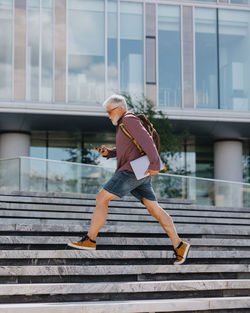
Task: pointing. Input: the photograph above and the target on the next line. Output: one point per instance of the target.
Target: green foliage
(88, 157)
(171, 143)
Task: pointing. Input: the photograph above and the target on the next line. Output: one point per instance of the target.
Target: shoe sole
(79, 247)
(184, 256)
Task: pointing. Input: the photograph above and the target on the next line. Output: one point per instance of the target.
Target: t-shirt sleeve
(139, 133)
(111, 153)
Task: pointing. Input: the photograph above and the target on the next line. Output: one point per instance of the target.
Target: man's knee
(103, 197)
(153, 207)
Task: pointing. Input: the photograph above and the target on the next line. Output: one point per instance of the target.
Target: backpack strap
(125, 131)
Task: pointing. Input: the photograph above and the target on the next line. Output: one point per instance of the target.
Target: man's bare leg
(100, 213)
(164, 219)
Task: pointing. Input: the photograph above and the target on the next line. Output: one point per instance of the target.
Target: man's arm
(105, 152)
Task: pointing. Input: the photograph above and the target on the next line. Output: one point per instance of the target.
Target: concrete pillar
(228, 160)
(14, 145)
(228, 166)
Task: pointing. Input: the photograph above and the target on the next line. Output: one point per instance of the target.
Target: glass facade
(39, 69)
(206, 58)
(234, 56)
(6, 55)
(206, 0)
(112, 70)
(47, 59)
(86, 51)
(102, 47)
(107, 56)
(240, 1)
(71, 146)
(33, 50)
(169, 56)
(246, 162)
(194, 159)
(131, 48)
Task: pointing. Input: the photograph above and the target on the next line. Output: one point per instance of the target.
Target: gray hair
(116, 101)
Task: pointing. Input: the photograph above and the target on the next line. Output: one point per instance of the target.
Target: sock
(180, 245)
(91, 239)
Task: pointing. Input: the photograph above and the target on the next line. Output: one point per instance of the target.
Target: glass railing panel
(56, 176)
(204, 191)
(73, 177)
(166, 186)
(31, 174)
(9, 174)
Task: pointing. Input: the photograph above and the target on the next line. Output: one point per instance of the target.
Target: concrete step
(69, 195)
(80, 201)
(123, 287)
(118, 228)
(115, 202)
(51, 272)
(54, 270)
(244, 220)
(124, 269)
(125, 241)
(118, 223)
(133, 260)
(71, 217)
(132, 269)
(118, 210)
(115, 254)
(144, 306)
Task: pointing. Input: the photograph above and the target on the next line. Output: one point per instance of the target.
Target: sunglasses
(109, 112)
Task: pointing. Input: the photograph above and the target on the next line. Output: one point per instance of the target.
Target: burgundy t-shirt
(126, 150)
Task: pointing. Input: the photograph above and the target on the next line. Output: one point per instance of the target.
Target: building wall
(196, 53)
(63, 58)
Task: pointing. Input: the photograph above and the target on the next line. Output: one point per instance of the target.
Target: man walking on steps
(124, 180)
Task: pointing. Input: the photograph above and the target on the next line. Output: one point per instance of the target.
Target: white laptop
(140, 166)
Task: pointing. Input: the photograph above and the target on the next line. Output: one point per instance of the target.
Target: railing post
(19, 176)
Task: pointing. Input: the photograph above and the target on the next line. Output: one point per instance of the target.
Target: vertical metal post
(47, 156)
(19, 187)
(218, 57)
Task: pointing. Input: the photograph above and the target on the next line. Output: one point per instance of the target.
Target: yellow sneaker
(85, 244)
(181, 252)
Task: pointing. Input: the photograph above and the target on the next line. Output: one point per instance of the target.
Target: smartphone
(93, 147)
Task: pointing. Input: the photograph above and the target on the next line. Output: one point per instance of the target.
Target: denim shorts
(124, 182)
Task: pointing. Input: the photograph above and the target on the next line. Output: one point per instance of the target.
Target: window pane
(169, 56)
(38, 145)
(206, 0)
(86, 50)
(40, 72)
(6, 17)
(47, 51)
(234, 59)
(206, 58)
(240, 1)
(112, 48)
(65, 146)
(33, 21)
(246, 162)
(131, 46)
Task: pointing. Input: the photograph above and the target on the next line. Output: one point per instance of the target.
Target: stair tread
(40, 270)
(124, 241)
(118, 210)
(116, 254)
(63, 217)
(130, 229)
(136, 306)
(123, 287)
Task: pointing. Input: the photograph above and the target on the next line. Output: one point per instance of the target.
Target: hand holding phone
(103, 150)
